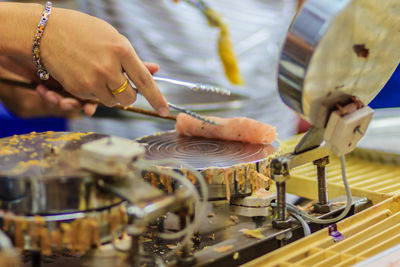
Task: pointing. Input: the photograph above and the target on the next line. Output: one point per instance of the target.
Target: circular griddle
(202, 153)
(43, 156)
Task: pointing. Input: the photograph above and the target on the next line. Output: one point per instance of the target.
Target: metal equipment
(336, 58)
(214, 159)
(71, 192)
(75, 191)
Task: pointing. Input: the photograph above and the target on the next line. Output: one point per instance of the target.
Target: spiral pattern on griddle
(202, 153)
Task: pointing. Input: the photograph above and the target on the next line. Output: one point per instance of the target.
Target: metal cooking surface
(40, 174)
(202, 153)
(43, 155)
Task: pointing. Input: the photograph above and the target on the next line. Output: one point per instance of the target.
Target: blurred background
(189, 53)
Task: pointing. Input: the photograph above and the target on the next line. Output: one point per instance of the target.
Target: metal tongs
(196, 87)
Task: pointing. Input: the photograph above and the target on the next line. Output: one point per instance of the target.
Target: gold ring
(121, 89)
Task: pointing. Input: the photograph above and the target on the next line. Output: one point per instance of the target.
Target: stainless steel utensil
(216, 89)
(193, 114)
(181, 109)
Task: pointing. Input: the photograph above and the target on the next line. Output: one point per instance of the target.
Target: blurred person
(178, 37)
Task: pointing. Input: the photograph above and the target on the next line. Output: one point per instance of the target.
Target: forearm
(17, 28)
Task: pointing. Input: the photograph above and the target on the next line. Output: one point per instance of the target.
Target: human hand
(25, 103)
(88, 57)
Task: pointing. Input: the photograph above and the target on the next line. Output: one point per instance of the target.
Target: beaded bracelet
(41, 71)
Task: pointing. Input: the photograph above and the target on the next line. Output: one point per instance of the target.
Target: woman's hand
(89, 57)
(25, 103)
(45, 102)
(86, 55)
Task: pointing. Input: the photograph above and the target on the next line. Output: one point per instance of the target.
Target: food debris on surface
(234, 219)
(227, 179)
(309, 207)
(256, 233)
(172, 246)
(340, 203)
(67, 137)
(261, 192)
(223, 248)
(7, 150)
(22, 166)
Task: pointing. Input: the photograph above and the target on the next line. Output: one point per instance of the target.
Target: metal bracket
(280, 173)
(312, 139)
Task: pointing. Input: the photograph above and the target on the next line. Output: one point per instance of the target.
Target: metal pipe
(186, 257)
(134, 252)
(322, 185)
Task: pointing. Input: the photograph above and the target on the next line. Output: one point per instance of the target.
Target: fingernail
(52, 99)
(163, 111)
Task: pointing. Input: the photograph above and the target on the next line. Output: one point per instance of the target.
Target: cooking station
(86, 199)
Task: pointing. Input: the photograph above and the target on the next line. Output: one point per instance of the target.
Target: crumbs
(8, 150)
(256, 233)
(22, 166)
(68, 137)
(223, 249)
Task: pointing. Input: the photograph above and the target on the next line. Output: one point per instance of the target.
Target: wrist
(17, 28)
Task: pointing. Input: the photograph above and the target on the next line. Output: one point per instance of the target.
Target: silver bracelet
(41, 71)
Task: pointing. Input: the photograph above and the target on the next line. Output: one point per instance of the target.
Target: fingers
(56, 100)
(128, 95)
(89, 109)
(152, 67)
(69, 104)
(143, 81)
(66, 104)
(50, 97)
